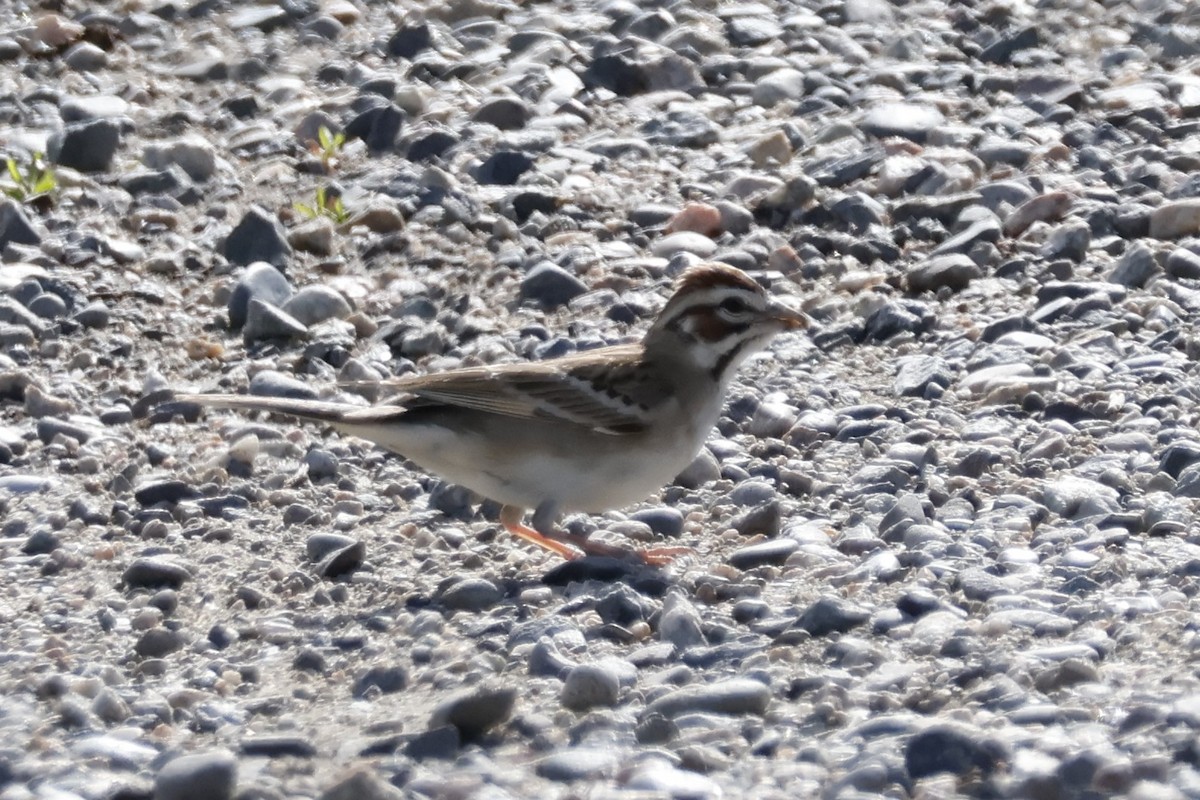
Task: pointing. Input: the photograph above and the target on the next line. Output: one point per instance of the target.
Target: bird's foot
(572, 545)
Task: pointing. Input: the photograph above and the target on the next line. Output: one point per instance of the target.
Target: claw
(570, 546)
(510, 518)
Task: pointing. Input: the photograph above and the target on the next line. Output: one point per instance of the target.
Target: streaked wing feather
(555, 389)
(480, 396)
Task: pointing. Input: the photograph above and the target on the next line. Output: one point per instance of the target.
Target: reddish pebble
(696, 218)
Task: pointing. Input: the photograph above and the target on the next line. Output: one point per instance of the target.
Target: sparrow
(586, 432)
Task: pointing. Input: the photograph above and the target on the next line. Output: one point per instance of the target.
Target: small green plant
(33, 183)
(324, 205)
(328, 146)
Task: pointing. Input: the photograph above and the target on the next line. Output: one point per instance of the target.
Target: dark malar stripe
(726, 358)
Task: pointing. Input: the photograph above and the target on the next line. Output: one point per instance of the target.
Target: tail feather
(314, 410)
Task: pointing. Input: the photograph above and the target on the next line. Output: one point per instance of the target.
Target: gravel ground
(945, 545)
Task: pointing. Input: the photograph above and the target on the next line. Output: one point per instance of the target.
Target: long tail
(342, 414)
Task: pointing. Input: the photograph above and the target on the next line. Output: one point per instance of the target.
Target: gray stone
(703, 469)
(321, 545)
(384, 679)
(503, 168)
(982, 230)
(87, 146)
(782, 85)
(259, 236)
(378, 127)
(775, 551)
(916, 374)
(259, 281)
(752, 493)
(476, 711)
(681, 128)
(50, 427)
(1183, 263)
(912, 121)
(361, 784)
(270, 383)
(506, 113)
(342, 561)
(48, 306)
(315, 304)
(831, 615)
(1069, 240)
(94, 315)
(1074, 497)
(87, 107)
(734, 697)
(664, 521)
(265, 321)
(954, 271)
(155, 571)
(578, 764)
(15, 225)
(265, 18)
(158, 642)
(589, 685)
(679, 622)
(195, 156)
(471, 594)
(764, 520)
(1136, 267)
(550, 286)
(85, 57)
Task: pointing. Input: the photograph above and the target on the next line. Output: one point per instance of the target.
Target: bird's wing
(589, 389)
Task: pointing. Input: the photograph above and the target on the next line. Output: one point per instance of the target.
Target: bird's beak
(788, 317)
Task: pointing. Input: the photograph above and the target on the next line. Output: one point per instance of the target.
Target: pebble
(360, 784)
(954, 272)
(1135, 268)
(260, 281)
(954, 749)
(908, 120)
(733, 697)
(475, 711)
(550, 286)
(258, 237)
(158, 642)
(201, 776)
(588, 686)
(195, 156)
(578, 764)
(471, 594)
(1041, 208)
(1175, 219)
(775, 551)
(270, 383)
(684, 241)
(155, 571)
(87, 146)
(265, 322)
(15, 225)
(831, 615)
(383, 679)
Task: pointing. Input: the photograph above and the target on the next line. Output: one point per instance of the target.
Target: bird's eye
(734, 305)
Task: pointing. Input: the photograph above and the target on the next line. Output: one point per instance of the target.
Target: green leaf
(46, 183)
(15, 171)
(325, 138)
